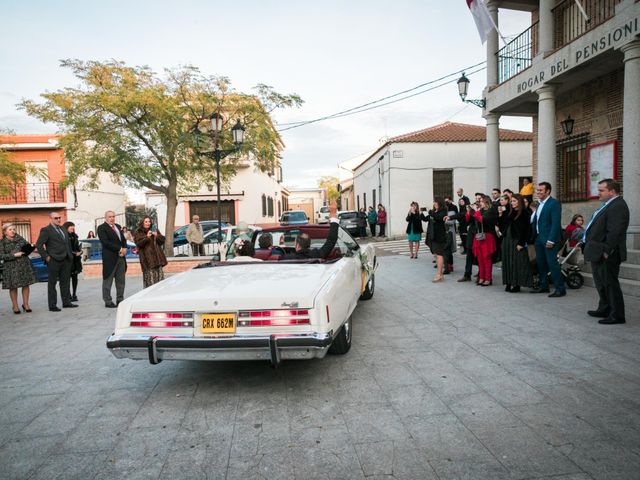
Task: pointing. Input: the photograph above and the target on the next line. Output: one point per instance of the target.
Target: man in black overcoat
(54, 247)
(114, 265)
(606, 248)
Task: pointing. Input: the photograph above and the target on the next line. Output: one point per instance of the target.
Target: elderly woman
(152, 258)
(18, 272)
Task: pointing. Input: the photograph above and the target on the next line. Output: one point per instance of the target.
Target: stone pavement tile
(376, 458)
(330, 438)
(524, 453)
(197, 456)
(51, 387)
(624, 427)
(537, 374)
(479, 410)
(579, 397)
(139, 453)
(374, 423)
(604, 460)
(10, 431)
(359, 392)
(316, 463)
(617, 388)
(510, 391)
(411, 463)
(446, 380)
(9, 394)
(305, 414)
(96, 433)
(165, 405)
(441, 436)
(21, 456)
(415, 400)
(394, 375)
(277, 465)
(26, 408)
(555, 424)
(120, 402)
(69, 466)
(471, 466)
(58, 419)
(251, 439)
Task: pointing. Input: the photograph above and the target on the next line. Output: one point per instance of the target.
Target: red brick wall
(93, 269)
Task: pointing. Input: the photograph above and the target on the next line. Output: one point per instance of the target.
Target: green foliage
(11, 173)
(138, 126)
(331, 184)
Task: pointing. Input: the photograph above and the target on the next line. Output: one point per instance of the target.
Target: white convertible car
(259, 310)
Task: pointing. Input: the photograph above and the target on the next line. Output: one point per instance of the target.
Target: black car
(349, 221)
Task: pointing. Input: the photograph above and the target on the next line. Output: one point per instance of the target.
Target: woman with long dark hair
(76, 264)
(484, 242)
(152, 258)
(436, 238)
(414, 229)
(516, 268)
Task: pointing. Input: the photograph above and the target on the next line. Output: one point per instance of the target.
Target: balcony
(568, 25)
(32, 194)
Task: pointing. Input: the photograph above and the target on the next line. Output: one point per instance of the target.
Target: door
(37, 182)
(443, 183)
(208, 210)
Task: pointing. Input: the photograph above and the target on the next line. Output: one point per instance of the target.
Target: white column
(547, 136)
(493, 152)
(545, 26)
(492, 46)
(631, 139)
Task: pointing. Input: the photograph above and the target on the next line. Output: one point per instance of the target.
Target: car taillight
(162, 319)
(272, 318)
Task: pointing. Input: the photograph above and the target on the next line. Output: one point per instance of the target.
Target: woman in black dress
(437, 235)
(516, 268)
(76, 266)
(17, 272)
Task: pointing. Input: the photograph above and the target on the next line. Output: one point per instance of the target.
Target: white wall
(411, 177)
(93, 203)
(315, 196)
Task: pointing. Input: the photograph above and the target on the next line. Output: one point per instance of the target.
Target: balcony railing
(518, 54)
(32, 193)
(569, 22)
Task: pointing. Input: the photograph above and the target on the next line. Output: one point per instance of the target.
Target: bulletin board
(602, 162)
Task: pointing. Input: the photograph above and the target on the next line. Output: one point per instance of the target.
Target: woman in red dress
(484, 243)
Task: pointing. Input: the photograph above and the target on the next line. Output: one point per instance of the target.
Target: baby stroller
(570, 270)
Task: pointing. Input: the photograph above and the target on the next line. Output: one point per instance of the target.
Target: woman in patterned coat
(17, 272)
(150, 245)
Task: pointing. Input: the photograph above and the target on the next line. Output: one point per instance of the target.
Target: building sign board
(601, 164)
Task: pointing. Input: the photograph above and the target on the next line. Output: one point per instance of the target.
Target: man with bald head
(54, 247)
(114, 265)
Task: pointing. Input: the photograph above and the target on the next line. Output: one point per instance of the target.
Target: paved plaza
(444, 381)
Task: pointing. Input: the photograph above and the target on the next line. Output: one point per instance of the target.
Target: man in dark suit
(545, 224)
(54, 247)
(114, 265)
(606, 248)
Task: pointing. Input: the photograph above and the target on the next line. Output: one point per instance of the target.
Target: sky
(334, 54)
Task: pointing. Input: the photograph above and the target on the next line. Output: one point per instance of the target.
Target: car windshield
(348, 215)
(294, 217)
(324, 209)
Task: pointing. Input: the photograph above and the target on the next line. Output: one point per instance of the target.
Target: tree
(331, 184)
(138, 126)
(11, 172)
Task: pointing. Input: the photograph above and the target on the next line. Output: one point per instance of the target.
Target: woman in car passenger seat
(244, 251)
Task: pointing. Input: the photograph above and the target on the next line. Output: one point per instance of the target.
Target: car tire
(369, 288)
(342, 343)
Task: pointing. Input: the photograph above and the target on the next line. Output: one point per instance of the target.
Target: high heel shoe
(437, 279)
(17, 312)
(27, 310)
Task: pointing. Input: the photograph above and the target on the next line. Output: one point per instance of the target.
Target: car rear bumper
(239, 347)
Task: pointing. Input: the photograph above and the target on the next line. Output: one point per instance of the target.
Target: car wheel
(342, 343)
(369, 288)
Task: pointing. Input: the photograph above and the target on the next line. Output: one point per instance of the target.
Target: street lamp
(463, 88)
(215, 127)
(567, 125)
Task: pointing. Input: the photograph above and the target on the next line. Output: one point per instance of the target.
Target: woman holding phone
(414, 229)
(150, 243)
(437, 235)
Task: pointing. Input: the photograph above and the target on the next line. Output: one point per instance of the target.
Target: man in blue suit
(545, 223)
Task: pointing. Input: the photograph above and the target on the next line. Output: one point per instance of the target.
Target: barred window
(270, 207)
(264, 205)
(572, 175)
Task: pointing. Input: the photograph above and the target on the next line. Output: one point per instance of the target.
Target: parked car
(323, 215)
(349, 221)
(180, 235)
(211, 241)
(268, 310)
(294, 217)
(95, 249)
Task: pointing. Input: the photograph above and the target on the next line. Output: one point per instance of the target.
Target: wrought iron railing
(570, 23)
(518, 54)
(32, 193)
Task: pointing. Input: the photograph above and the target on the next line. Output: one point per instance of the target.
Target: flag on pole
(482, 17)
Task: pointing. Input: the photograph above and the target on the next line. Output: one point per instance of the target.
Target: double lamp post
(214, 130)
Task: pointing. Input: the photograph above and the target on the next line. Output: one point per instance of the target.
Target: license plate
(218, 323)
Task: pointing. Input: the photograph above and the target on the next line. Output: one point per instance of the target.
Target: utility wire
(377, 103)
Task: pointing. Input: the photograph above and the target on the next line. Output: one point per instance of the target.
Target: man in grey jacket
(195, 237)
(605, 247)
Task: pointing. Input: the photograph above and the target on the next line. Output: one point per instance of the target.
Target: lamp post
(217, 154)
(463, 88)
(567, 125)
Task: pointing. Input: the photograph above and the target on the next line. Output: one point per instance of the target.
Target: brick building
(576, 72)
(28, 204)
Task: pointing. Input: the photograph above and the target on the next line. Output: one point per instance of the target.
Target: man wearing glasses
(54, 247)
(114, 265)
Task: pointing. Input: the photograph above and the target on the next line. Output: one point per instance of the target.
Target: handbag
(480, 236)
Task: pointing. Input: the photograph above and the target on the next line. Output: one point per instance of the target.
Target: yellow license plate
(218, 323)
